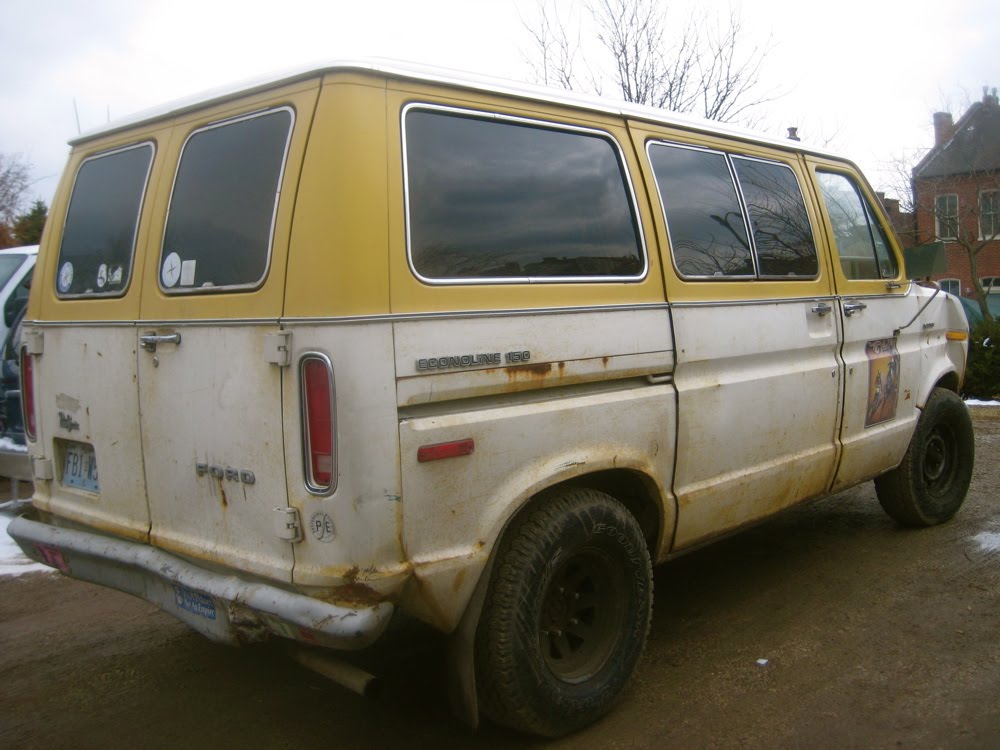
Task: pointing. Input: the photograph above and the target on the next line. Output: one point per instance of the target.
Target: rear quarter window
(98, 241)
(220, 223)
(498, 199)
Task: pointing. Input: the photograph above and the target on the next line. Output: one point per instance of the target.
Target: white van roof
(430, 74)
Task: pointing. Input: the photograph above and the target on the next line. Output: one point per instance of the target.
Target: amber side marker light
(957, 335)
(445, 450)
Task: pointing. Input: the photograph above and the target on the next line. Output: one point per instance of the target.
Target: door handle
(150, 340)
(852, 307)
(822, 309)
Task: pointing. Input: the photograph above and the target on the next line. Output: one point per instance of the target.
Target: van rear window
(221, 217)
(500, 199)
(98, 242)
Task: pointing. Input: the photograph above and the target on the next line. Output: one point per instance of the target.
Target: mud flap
(460, 656)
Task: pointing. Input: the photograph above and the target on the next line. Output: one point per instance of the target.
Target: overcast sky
(861, 75)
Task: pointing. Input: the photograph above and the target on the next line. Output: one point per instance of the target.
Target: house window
(952, 286)
(946, 217)
(989, 215)
(991, 284)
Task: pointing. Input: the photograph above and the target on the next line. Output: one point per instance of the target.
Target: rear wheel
(567, 614)
(930, 484)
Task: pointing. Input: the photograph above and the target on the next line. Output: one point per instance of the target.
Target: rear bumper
(222, 606)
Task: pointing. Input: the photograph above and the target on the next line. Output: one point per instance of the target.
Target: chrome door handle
(822, 309)
(852, 307)
(150, 340)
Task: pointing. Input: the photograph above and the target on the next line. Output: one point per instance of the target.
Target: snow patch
(12, 560)
(977, 402)
(6, 444)
(988, 541)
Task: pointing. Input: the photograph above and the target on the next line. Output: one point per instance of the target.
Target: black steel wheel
(567, 614)
(930, 484)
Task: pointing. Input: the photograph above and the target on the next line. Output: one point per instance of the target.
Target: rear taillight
(319, 423)
(28, 393)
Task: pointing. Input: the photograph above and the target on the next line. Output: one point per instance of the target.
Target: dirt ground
(874, 637)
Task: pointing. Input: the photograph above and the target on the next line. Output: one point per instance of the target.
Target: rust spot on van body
(530, 371)
(354, 593)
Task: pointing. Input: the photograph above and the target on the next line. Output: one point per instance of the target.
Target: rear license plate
(80, 469)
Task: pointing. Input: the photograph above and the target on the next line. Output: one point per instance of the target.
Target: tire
(566, 616)
(929, 486)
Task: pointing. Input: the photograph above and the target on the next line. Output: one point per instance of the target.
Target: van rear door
(86, 448)
(209, 388)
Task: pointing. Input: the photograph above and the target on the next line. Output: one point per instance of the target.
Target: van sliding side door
(755, 329)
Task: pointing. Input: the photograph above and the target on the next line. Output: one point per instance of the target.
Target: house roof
(973, 148)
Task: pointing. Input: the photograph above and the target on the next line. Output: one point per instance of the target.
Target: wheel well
(950, 381)
(633, 490)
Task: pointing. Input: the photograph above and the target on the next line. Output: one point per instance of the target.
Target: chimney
(944, 128)
(990, 99)
(793, 134)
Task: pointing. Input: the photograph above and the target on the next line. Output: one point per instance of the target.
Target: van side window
(782, 235)
(861, 243)
(506, 200)
(732, 216)
(708, 234)
(221, 217)
(98, 241)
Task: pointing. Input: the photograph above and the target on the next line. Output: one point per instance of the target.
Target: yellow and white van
(371, 339)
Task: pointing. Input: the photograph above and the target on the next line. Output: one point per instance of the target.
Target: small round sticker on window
(322, 528)
(170, 274)
(65, 280)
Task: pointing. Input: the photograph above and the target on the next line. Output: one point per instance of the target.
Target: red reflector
(317, 388)
(28, 393)
(445, 450)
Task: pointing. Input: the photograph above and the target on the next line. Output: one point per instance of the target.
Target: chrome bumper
(221, 606)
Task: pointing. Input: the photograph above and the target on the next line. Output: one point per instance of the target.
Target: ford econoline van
(374, 341)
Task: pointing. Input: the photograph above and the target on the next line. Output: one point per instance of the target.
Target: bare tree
(15, 179)
(700, 66)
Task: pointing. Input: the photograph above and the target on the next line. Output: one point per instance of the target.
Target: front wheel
(567, 614)
(929, 486)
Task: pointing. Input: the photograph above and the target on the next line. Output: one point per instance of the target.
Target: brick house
(956, 195)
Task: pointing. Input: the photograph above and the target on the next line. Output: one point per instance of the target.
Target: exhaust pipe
(349, 676)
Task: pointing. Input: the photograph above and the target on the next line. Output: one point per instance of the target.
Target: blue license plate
(80, 469)
(194, 601)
